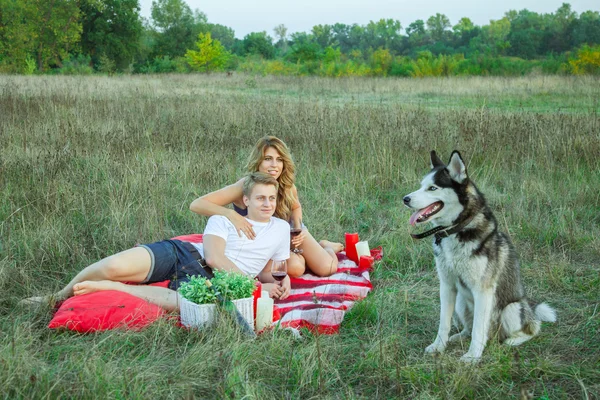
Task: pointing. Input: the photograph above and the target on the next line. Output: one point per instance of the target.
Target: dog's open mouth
(425, 213)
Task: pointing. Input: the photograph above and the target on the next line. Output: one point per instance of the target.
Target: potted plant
(197, 303)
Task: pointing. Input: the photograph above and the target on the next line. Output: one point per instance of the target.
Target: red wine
(295, 232)
(279, 276)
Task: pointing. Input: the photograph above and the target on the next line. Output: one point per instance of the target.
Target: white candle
(362, 249)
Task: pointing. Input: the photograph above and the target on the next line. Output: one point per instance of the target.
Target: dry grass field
(92, 165)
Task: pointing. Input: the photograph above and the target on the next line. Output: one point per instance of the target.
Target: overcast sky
(245, 16)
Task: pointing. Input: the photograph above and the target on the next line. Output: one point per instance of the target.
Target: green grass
(90, 166)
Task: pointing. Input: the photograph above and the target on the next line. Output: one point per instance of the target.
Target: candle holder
(362, 249)
(366, 262)
(351, 240)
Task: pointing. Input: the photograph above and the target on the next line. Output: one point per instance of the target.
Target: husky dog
(477, 265)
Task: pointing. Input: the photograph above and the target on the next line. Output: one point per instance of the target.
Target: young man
(222, 249)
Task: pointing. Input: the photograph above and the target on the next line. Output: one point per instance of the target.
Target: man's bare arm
(214, 254)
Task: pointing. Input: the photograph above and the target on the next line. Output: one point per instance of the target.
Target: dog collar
(430, 232)
(443, 231)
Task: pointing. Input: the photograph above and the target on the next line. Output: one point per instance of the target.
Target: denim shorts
(174, 260)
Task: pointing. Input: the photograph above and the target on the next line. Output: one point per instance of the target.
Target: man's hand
(276, 291)
(286, 285)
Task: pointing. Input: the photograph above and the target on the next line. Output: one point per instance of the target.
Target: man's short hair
(256, 178)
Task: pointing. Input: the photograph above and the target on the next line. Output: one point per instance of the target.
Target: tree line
(84, 36)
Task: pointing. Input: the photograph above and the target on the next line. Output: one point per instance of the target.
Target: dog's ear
(435, 160)
(456, 167)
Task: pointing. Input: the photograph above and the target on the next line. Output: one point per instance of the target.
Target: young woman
(271, 155)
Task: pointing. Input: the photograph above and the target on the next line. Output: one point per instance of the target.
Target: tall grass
(90, 166)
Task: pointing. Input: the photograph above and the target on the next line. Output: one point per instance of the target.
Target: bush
(76, 65)
(496, 66)
(233, 62)
(586, 61)
(381, 62)
(165, 65)
(428, 65)
(401, 66)
(554, 65)
(106, 65)
(30, 65)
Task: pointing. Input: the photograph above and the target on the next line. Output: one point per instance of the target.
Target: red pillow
(110, 309)
(106, 310)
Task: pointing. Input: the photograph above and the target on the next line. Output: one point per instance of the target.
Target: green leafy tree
(417, 35)
(437, 25)
(585, 30)
(18, 35)
(323, 35)
(303, 49)
(496, 34)
(210, 56)
(464, 31)
(112, 28)
(526, 34)
(175, 27)
(259, 43)
(463, 26)
(556, 38)
(45, 30)
(356, 37)
(383, 33)
(222, 33)
(341, 36)
(564, 16)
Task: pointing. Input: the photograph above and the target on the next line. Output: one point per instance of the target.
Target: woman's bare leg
(296, 265)
(131, 265)
(321, 260)
(163, 297)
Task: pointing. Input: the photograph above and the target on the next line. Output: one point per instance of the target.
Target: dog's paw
(469, 358)
(435, 347)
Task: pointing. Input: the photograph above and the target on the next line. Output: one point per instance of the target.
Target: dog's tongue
(416, 215)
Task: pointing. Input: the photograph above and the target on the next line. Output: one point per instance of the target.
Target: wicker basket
(202, 315)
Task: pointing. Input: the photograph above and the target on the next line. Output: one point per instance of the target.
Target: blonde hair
(257, 178)
(285, 196)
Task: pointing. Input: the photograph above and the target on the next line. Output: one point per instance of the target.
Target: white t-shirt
(272, 241)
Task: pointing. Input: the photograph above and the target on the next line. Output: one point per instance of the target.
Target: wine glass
(295, 230)
(279, 270)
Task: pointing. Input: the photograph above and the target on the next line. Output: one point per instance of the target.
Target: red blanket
(320, 304)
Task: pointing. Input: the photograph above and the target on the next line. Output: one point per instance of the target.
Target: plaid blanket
(317, 303)
(320, 303)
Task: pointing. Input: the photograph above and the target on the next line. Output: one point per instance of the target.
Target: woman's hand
(241, 224)
(298, 240)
